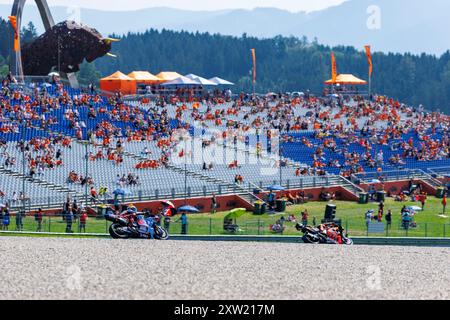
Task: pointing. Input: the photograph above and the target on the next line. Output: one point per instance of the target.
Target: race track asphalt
(63, 268)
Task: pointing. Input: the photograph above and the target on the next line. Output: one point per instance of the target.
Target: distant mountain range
(406, 26)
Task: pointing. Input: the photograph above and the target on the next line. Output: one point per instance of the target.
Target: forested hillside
(284, 64)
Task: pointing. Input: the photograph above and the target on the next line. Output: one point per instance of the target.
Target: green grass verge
(429, 224)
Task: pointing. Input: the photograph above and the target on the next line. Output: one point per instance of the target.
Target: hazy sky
(291, 5)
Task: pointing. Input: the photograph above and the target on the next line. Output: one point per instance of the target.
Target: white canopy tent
(221, 82)
(203, 81)
(181, 81)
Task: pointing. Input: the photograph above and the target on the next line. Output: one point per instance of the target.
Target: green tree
(3, 67)
(28, 33)
(88, 74)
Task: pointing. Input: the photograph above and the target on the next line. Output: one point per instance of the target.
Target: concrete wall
(228, 202)
(395, 187)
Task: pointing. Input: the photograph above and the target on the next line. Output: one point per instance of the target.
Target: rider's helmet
(131, 209)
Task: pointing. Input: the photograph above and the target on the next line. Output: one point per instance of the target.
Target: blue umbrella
(188, 209)
(121, 192)
(276, 188)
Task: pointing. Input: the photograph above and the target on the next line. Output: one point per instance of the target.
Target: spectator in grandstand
(14, 198)
(238, 179)
(22, 197)
(2, 199)
(92, 88)
(94, 194)
(379, 158)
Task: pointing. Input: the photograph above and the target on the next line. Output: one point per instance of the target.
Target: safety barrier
(369, 241)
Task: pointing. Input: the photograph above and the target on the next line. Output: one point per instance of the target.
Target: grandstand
(139, 146)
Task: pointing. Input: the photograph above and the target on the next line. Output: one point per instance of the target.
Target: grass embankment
(429, 223)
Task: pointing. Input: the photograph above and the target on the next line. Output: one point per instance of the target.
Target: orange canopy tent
(144, 77)
(166, 76)
(118, 82)
(346, 79)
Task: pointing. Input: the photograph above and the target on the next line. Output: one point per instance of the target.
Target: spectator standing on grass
(69, 221)
(444, 203)
(167, 223)
(6, 219)
(213, 204)
(305, 216)
(381, 207)
(183, 219)
(83, 220)
(371, 192)
(406, 219)
(19, 220)
(388, 218)
(75, 207)
(38, 218)
(271, 200)
(368, 217)
(423, 199)
(116, 202)
(380, 215)
(66, 207)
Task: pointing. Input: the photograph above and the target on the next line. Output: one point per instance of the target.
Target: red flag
(333, 68)
(369, 60)
(254, 65)
(13, 21)
(181, 154)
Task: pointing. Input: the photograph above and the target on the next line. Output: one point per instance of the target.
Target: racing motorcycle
(328, 233)
(130, 225)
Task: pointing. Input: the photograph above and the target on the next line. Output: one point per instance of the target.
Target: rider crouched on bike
(332, 231)
(144, 221)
